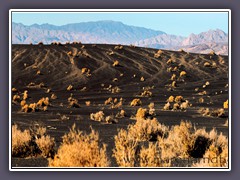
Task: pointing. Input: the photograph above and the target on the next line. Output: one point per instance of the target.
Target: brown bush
(20, 141)
(136, 102)
(69, 88)
(115, 63)
(225, 104)
(98, 116)
(141, 113)
(80, 150)
(121, 114)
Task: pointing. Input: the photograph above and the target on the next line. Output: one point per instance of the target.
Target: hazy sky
(177, 23)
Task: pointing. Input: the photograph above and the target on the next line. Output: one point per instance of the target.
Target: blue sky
(177, 23)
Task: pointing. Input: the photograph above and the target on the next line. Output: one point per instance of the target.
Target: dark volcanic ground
(59, 69)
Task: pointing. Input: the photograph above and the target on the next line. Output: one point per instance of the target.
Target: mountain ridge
(116, 32)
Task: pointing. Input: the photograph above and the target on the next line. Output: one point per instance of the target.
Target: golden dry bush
(151, 110)
(25, 95)
(147, 129)
(125, 149)
(167, 106)
(178, 141)
(121, 114)
(141, 113)
(86, 71)
(119, 47)
(142, 79)
(169, 61)
(179, 99)
(225, 104)
(146, 93)
(53, 96)
(174, 84)
(185, 105)
(69, 88)
(16, 98)
(43, 102)
(136, 102)
(14, 89)
(111, 120)
(173, 77)
(38, 72)
(79, 149)
(212, 112)
(151, 156)
(170, 99)
(20, 142)
(207, 64)
(46, 145)
(109, 101)
(98, 116)
(201, 100)
(128, 142)
(158, 54)
(22, 103)
(176, 106)
(115, 63)
(115, 90)
(73, 103)
(88, 103)
(183, 73)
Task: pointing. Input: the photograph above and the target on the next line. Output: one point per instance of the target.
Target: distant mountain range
(112, 32)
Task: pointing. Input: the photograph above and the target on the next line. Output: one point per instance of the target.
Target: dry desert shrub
(225, 104)
(73, 103)
(20, 142)
(151, 156)
(212, 112)
(109, 101)
(170, 99)
(86, 71)
(142, 79)
(79, 149)
(183, 73)
(98, 116)
(46, 145)
(128, 142)
(141, 113)
(25, 95)
(53, 96)
(29, 143)
(158, 54)
(111, 120)
(147, 129)
(121, 114)
(115, 63)
(125, 149)
(207, 64)
(146, 93)
(136, 102)
(151, 111)
(179, 99)
(14, 89)
(16, 98)
(173, 77)
(88, 103)
(119, 47)
(69, 88)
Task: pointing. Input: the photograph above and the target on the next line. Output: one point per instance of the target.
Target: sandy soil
(59, 69)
